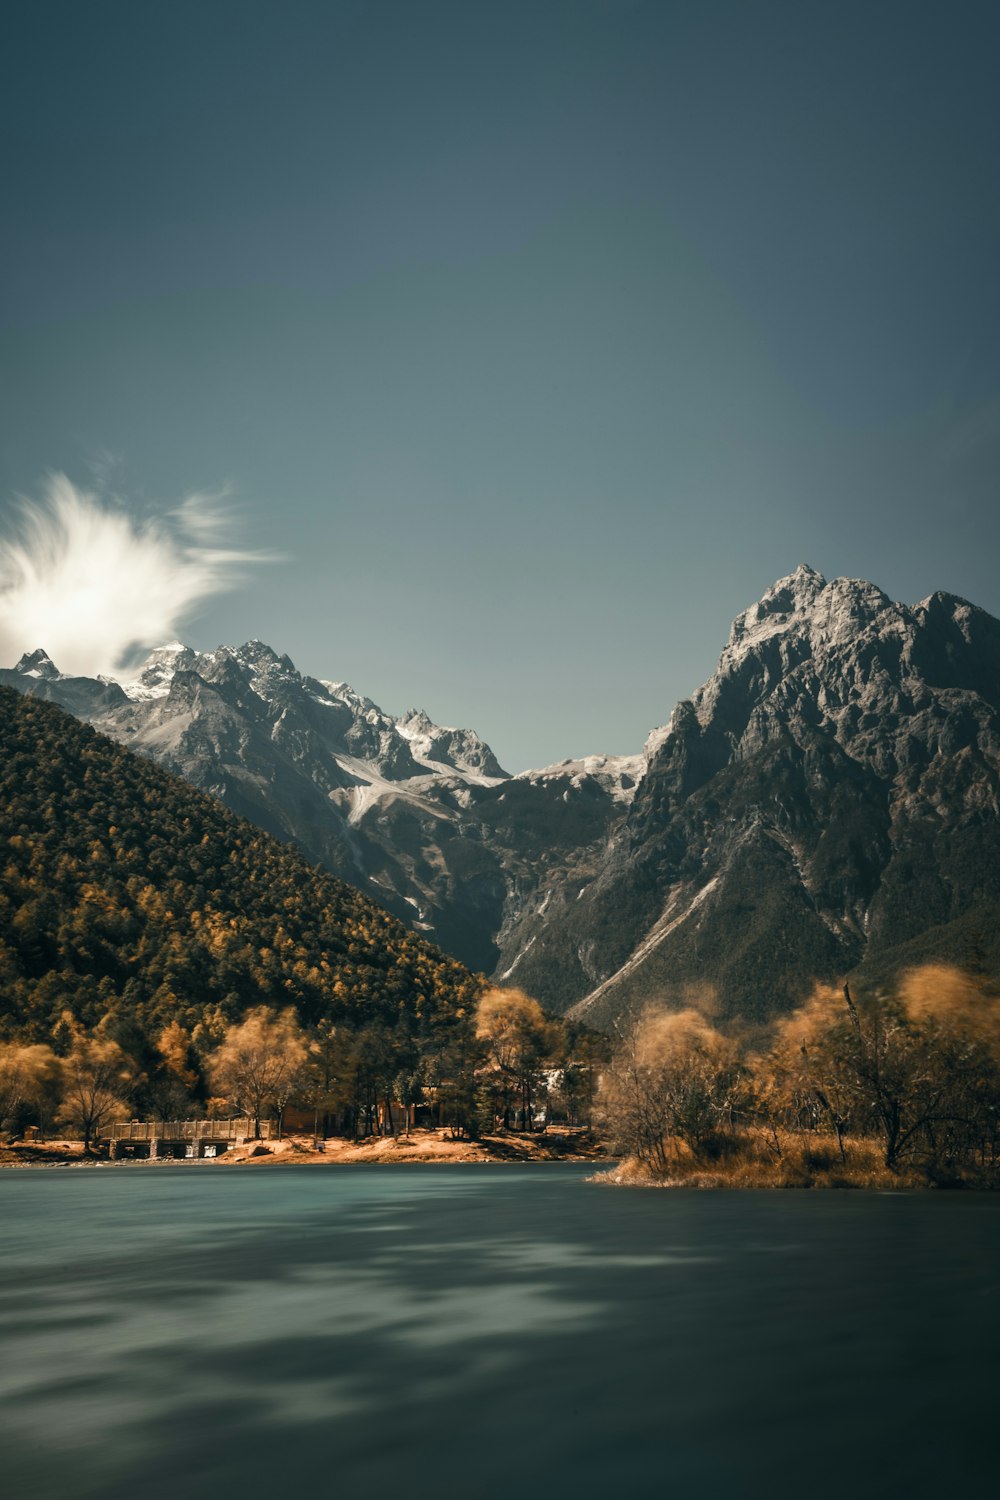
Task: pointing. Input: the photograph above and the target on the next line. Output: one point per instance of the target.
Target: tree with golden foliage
(803, 1080)
(926, 1057)
(959, 1021)
(918, 1067)
(97, 1080)
(322, 1085)
(29, 1080)
(673, 1078)
(178, 1074)
(259, 1062)
(519, 1039)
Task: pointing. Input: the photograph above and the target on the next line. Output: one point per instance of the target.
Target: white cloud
(94, 585)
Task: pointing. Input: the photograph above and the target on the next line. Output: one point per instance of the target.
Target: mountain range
(828, 800)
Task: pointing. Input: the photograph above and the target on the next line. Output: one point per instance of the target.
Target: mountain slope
(828, 800)
(830, 795)
(422, 817)
(123, 887)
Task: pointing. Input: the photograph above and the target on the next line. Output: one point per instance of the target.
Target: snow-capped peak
(619, 775)
(416, 723)
(443, 746)
(157, 671)
(37, 664)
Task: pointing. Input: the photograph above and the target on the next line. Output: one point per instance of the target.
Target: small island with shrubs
(896, 1088)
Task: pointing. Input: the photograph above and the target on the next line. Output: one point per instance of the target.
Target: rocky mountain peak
(831, 793)
(804, 632)
(417, 721)
(258, 654)
(157, 671)
(37, 664)
(785, 600)
(444, 745)
(805, 604)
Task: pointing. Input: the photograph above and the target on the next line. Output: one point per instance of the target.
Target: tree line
(902, 1082)
(509, 1067)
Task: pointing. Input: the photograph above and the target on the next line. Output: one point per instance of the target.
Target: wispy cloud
(95, 585)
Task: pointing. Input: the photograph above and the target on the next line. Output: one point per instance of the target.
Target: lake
(180, 1333)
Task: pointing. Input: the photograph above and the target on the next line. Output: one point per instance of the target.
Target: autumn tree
(581, 1056)
(13, 1082)
(958, 1017)
(371, 1071)
(672, 1078)
(926, 1059)
(29, 1081)
(518, 1040)
(803, 1080)
(45, 1090)
(259, 1062)
(97, 1082)
(322, 1082)
(177, 1077)
(450, 1072)
(917, 1066)
(408, 1090)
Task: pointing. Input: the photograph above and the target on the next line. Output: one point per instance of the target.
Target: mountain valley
(827, 800)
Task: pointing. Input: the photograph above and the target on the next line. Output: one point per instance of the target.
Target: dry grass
(561, 1143)
(566, 1143)
(766, 1159)
(57, 1153)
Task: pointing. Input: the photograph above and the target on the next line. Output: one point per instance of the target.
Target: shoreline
(426, 1146)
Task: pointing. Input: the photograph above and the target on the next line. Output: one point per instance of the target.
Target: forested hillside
(128, 898)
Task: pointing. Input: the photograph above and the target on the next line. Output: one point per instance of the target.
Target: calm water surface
(489, 1331)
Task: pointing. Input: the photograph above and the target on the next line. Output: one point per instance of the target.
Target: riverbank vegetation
(896, 1087)
(510, 1068)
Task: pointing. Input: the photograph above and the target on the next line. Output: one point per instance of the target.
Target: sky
(492, 356)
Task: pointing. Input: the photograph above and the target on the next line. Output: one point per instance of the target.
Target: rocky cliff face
(830, 796)
(829, 799)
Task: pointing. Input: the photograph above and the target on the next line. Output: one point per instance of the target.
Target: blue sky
(537, 338)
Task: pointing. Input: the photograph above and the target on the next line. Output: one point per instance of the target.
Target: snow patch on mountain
(619, 775)
(157, 672)
(37, 664)
(837, 772)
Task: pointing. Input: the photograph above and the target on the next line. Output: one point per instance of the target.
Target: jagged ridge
(831, 794)
(421, 816)
(827, 799)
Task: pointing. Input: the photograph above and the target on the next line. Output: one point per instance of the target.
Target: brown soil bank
(564, 1144)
